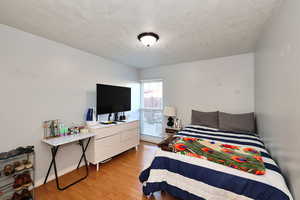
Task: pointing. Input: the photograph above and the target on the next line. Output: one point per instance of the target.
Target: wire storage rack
(17, 175)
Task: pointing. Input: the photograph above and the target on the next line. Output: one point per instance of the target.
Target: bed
(190, 178)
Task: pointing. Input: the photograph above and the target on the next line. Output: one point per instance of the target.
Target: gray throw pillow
(209, 119)
(237, 122)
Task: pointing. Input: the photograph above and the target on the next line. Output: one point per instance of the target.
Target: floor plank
(116, 180)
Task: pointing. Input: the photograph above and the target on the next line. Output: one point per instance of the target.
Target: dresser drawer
(129, 139)
(107, 147)
(128, 127)
(112, 140)
(129, 134)
(105, 132)
(112, 130)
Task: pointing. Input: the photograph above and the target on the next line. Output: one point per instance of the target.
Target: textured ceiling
(189, 29)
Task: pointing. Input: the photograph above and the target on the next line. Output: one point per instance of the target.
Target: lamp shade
(169, 111)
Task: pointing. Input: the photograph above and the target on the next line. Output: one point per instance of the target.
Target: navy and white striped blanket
(190, 178)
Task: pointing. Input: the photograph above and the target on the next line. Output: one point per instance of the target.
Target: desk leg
(84, 157)
(53, 163)
(83, 153)
(55, 151)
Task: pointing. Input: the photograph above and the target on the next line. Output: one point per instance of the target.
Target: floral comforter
(242, 158)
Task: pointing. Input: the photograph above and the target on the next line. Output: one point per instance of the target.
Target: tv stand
(111, 140)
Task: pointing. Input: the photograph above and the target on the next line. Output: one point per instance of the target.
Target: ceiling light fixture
(148, 38)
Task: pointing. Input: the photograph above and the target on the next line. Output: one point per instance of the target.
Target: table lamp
(170, 112)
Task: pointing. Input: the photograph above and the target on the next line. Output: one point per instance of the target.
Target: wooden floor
(116, 180)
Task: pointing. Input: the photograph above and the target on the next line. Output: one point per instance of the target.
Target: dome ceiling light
(148, 38)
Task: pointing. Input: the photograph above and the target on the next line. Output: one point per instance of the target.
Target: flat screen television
(113, 99)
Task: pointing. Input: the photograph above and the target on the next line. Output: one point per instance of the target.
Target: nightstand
(170, 131)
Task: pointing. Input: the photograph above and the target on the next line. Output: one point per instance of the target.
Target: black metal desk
(55, 143)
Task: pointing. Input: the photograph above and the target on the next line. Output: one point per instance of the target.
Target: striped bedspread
(190, 178)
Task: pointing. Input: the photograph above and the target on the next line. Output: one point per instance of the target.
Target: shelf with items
(21, 155)
(8, 191)
(11, 188)
(17, 174)
(7, 195)
(25, 194)
(15, 166)
(10, 178)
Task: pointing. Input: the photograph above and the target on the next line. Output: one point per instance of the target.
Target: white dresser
(111, 140)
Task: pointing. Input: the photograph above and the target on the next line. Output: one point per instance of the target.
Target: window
(152, 105)
(152, 95)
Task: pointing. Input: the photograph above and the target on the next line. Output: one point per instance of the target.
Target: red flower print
(250, 150)
(180, 147)
(244, 169)
(259, 158)
(189, 139)
(239, 159)
(207, 150)
(260, 172)
(210, 159)
(227, 151)
(230, 146)
(234, 166)
(194, 155)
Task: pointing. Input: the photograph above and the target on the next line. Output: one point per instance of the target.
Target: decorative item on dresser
(111, 140)
(170, 112)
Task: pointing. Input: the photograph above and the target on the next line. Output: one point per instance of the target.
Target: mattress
(191, 178)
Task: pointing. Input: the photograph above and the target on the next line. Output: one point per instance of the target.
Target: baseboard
(51, 177)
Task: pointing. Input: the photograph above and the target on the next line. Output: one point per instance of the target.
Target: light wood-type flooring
(116, 180)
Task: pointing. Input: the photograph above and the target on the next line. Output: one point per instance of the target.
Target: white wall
(42, 80)
(277, 86)
(225, 84)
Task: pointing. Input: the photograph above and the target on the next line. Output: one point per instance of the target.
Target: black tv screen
(112, 99)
